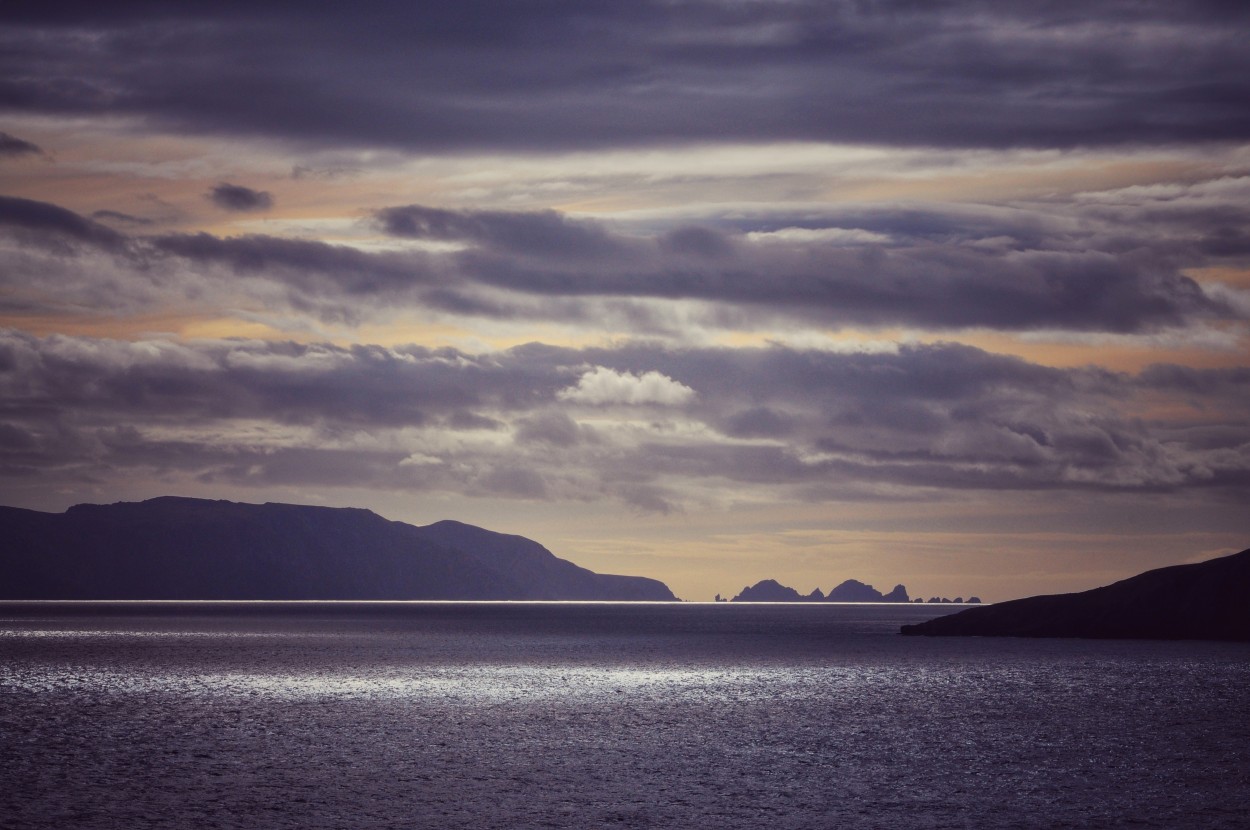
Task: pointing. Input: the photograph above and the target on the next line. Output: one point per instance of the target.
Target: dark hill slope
(176, 548)
(1206, 601)
(541, 574)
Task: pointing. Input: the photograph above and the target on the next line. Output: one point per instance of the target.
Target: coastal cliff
(1203, 601)
(179, 548)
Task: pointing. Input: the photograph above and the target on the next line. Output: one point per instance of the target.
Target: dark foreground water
(596, 715)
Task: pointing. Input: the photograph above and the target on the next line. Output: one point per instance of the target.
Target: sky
(953, 294)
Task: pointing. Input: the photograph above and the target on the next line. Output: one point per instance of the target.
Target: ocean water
(466, 715)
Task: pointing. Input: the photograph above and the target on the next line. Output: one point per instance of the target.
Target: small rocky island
(1203, 601)
(852, 590)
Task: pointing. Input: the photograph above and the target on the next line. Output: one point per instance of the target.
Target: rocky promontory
(196, 549)
(1203, 601)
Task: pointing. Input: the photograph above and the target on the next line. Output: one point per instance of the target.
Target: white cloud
(419, 459)
(602, 385)
(830, 236)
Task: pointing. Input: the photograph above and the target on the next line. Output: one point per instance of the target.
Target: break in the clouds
(787, 423)
(571, 73)
(1103, 268)
(237, 198)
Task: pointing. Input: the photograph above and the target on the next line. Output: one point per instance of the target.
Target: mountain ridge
(173, 547)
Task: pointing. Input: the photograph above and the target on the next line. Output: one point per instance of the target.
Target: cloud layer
(786, 423)
(1104, 266)
(561, 74)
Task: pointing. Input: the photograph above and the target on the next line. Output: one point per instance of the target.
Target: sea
(592, 715)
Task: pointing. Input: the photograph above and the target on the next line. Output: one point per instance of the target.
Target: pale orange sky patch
(1032, 182)
(1125, 354)
(415, 330)
(1237, 277)
(810, 546)
(183, 326)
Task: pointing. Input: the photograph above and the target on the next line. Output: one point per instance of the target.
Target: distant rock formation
(1206, 601)
(177, 548)
(899, 594)
(769, 590)
(852, 590)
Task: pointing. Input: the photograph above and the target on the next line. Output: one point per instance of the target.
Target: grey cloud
(704, 243)
(510, 481)
(1202, 389)
(647, 498)
(935, 270)
(546, 233)
(284, 383)
(240, 199)
(464, 420)
(11, 145)
(554, 428)
(1011, 269)
(50, 220)
(793, 423)
(564, 74)
(932, 417)
(757, 422)
(301, 263)
(71, 262)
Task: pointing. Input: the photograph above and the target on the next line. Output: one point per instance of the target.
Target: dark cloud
(48, 220)
(1007, 269)
(237, 198)
(318, 266)
(34, 215)
(558, 74)
(547, 233)
(65, 261)
(11, 145)
(920, 420)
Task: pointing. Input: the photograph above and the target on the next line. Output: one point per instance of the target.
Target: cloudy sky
(948, 293)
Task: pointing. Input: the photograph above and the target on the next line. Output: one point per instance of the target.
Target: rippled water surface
(599, 715)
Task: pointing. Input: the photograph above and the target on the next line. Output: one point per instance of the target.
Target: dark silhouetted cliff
(176, 548)
(852, 590)
(769, 590)
(1206, 601)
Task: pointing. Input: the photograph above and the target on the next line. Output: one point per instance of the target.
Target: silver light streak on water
(469, 716)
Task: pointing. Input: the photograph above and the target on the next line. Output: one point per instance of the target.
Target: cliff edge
(179, 548)
(1203, 601)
